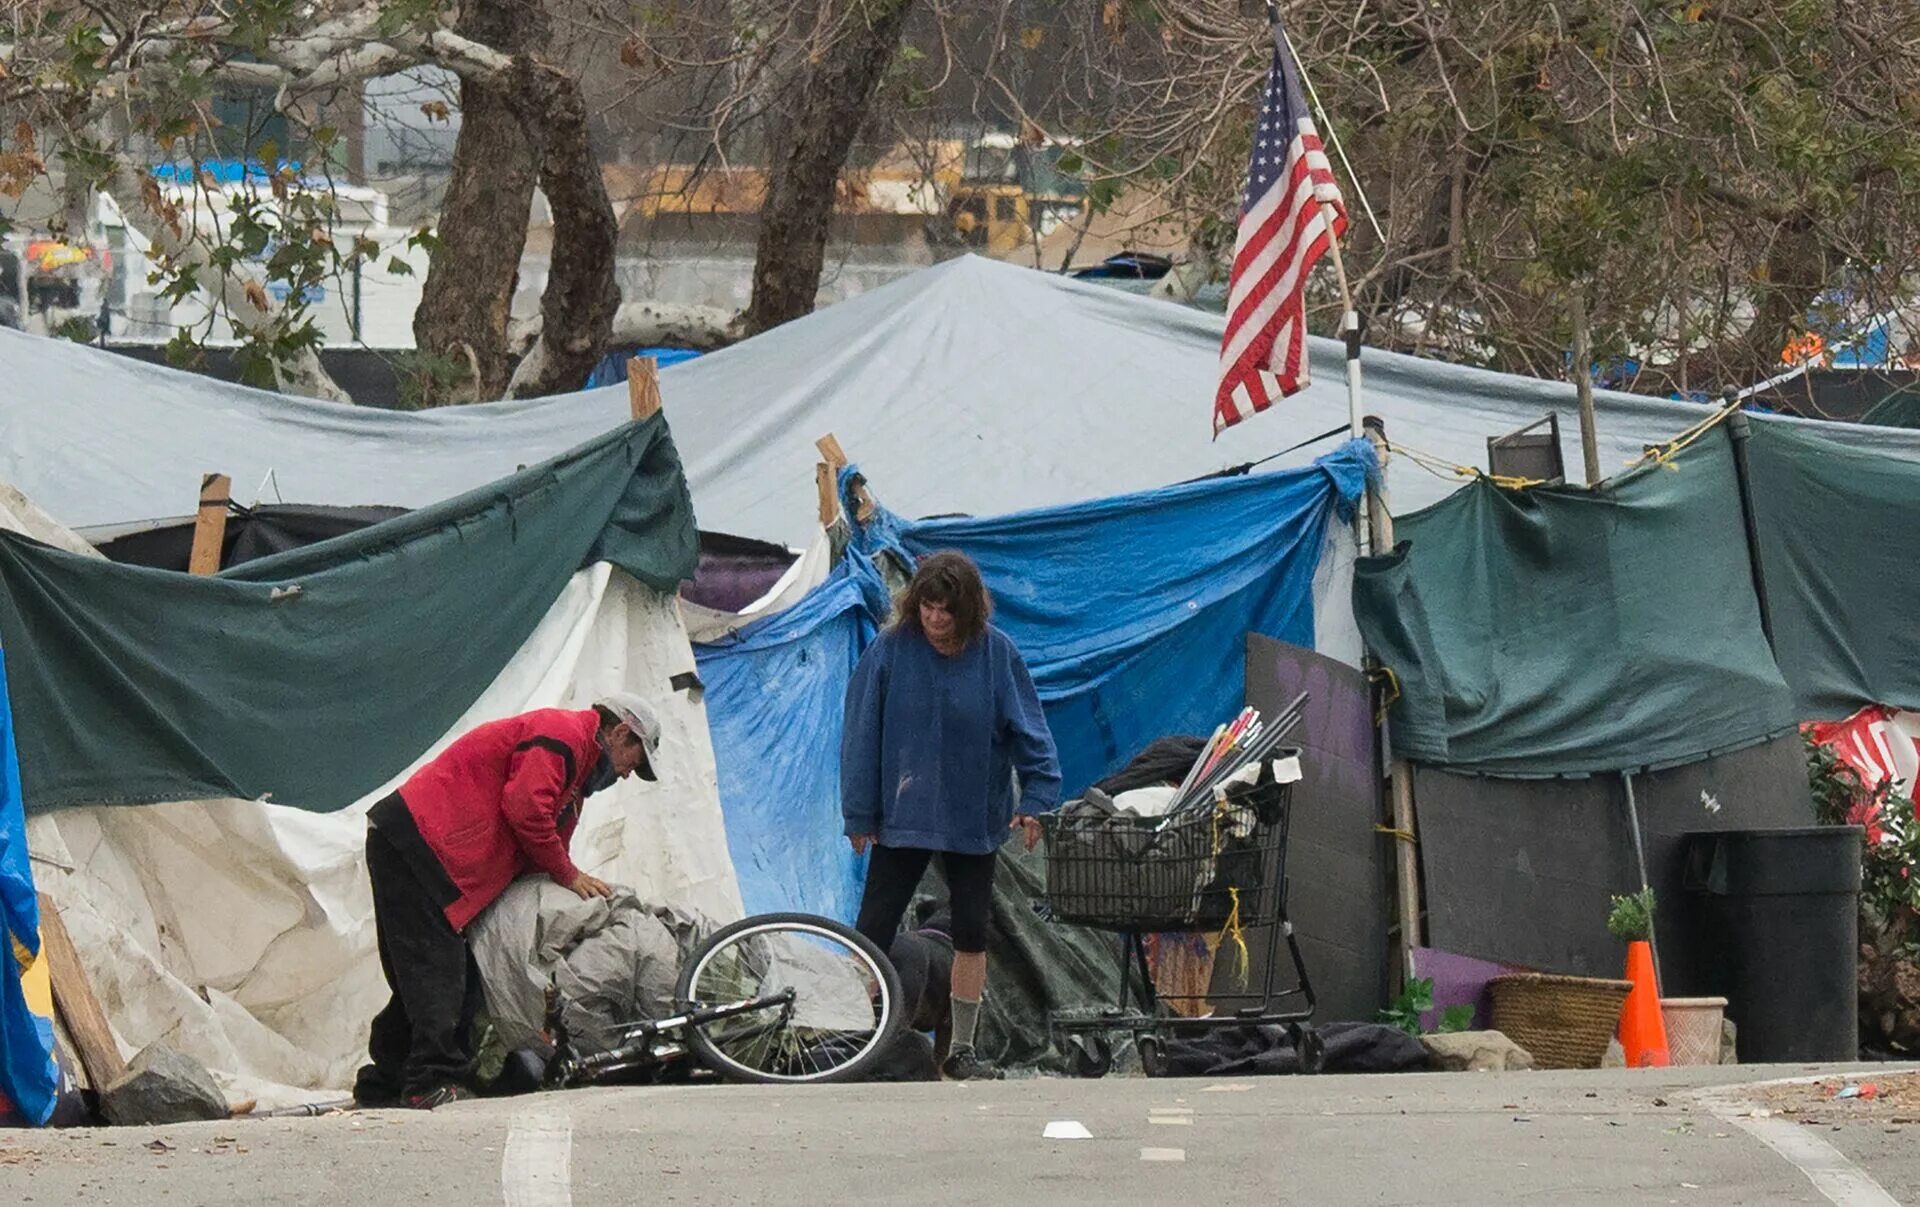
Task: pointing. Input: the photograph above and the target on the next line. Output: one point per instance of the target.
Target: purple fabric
(734, 571)
(1458, 980)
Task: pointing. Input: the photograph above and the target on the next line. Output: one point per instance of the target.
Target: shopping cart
(1219, 869)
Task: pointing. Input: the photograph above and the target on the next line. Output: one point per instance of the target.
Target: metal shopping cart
(1219, 869)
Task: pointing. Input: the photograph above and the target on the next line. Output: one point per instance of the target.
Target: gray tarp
(614, 960)
(970, 387)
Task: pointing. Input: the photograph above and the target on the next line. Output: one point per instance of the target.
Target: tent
(162, 717)
(970, 387)
(1131, 613)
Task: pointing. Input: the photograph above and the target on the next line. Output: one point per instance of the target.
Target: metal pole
(1350, 330)
(1640, 858)
(1740, 431)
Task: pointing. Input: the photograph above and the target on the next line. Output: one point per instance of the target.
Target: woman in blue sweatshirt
(941, 714)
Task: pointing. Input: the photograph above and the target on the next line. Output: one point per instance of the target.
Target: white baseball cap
(640, 718)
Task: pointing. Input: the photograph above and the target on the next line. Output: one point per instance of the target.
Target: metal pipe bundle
(1234, 747)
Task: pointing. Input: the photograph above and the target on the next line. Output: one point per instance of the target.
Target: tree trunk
(577, 309)
(468, 294)
(810, 145)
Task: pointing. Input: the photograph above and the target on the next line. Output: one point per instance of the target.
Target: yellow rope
(1235, 932)
(1232, 930)
(1393, 685)
(1663, 454)
(1442, 468)
(1402, 835)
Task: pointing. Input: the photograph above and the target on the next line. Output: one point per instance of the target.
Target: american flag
(1283, 233)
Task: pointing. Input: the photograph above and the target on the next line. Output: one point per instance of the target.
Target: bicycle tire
(892, 1020)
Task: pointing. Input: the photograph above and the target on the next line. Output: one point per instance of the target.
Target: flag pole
(1349, 315)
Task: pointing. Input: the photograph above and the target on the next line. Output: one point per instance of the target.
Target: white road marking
(536, 1168)
(1163, 1154)
(1066, 1129)
(1170, 1120)
(1838, 1179)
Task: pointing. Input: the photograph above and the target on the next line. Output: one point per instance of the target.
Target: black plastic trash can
(1777, 932)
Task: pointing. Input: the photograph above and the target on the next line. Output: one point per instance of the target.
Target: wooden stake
(1583, 383)
(643, 387)
(835, 459)
(1406, 850)
(823, 475)
(73, 998)
(210, 524)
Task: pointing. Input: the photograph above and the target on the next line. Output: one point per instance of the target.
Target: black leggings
(893, 873)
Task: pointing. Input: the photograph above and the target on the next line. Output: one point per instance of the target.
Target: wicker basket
(1564, 1021)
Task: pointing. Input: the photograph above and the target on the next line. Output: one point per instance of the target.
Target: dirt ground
(1893, 1100)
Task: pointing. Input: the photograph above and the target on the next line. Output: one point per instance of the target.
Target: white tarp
(242, 933)
(972, 387)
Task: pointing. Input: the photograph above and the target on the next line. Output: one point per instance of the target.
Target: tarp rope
(1440, 467)
(1663, 454)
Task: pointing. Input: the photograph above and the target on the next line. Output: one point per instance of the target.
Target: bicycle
(772, 999)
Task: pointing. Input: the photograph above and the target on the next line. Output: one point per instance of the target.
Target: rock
(1616, 1057)
(163, 1086)
(1729, 1045)
(1476, 1052)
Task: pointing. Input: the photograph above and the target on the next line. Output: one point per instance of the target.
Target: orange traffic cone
(1643, 1032)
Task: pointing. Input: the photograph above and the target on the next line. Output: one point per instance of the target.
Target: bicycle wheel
(846, 1004)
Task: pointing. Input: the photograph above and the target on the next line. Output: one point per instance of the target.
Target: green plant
(1415, 999)
(1889, 889)
(1631, 918)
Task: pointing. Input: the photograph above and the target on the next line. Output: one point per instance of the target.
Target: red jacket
(502, 799)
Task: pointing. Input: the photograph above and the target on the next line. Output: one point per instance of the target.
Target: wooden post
(823, 475)
(210, 524)
(1583, 383)
(73, 997)
(643, 387)
(1406, 850)
(834, 459)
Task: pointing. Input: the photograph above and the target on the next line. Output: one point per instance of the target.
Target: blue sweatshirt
(931, 744)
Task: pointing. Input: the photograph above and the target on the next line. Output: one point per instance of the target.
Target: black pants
(893, 873)
(419, 1042)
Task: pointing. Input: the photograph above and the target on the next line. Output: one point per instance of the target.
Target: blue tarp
(774, 693)
(1132, 613)
(27, 1075)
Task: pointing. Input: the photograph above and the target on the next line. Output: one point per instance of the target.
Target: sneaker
(441, 1097)
(964, 1064)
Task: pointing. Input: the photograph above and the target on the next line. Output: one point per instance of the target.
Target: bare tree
(1706, 171)
(96, 90)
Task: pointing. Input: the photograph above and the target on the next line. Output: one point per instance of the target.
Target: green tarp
(1840, 545)
(315, 676)
(1898, 409)
(1558, 631)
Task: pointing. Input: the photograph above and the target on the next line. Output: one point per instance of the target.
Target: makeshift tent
(28, 1077)
(1131, 612)
(241, 932)
(313, 675)
(1839, 540)
(971, 387)
(775, 690)
(1560, 631)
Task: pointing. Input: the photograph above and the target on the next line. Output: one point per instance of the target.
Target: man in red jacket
(502, 800)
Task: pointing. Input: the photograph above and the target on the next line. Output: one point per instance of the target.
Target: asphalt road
(1616, 1137)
